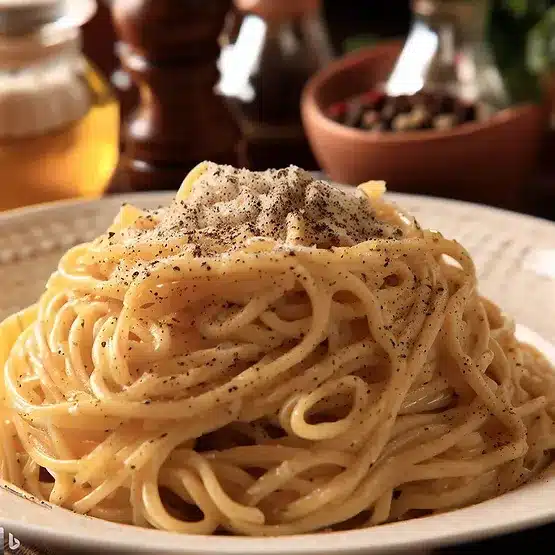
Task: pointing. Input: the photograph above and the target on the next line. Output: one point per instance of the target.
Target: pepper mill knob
(170, 50)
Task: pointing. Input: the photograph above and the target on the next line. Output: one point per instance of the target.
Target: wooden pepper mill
(170, 49)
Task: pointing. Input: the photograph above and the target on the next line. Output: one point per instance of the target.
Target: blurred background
(462, 109)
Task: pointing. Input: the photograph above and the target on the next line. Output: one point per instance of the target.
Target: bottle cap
(26, 17)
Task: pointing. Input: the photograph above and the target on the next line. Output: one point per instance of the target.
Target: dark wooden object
(170, 49)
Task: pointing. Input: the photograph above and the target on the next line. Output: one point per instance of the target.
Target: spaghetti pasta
(269, 355)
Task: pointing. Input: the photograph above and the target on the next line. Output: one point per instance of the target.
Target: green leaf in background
(521, 8)
(518, 7)
(511, 22)
(540, 49)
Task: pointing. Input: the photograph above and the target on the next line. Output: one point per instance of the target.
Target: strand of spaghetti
(277, 477)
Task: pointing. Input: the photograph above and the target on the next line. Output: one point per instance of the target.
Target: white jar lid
(25, 17)
(37, 97)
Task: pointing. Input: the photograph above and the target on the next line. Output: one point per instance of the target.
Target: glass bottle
(270, 49)
(59, 121)
(447, 50)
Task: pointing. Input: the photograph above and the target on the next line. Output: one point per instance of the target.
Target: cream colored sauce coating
(228, 207)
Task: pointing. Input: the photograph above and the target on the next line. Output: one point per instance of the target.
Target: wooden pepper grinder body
(170, 49)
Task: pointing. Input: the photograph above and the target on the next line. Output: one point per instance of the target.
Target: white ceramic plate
(515, 257)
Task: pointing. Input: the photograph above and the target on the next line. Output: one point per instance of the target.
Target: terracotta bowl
(485, 162)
